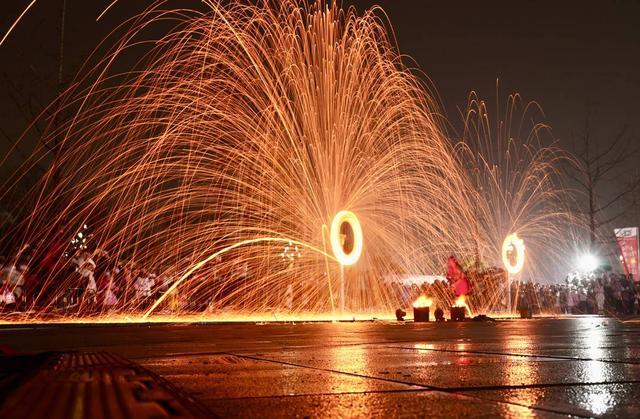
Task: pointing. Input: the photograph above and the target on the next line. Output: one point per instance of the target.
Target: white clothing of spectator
(143, 285)
(13, 279)
(110, 298)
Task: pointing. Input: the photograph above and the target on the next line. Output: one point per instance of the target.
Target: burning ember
(460, 302)
(422, 301)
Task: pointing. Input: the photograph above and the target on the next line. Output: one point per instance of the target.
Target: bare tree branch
(600, 165)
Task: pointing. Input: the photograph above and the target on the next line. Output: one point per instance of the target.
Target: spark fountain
(514, 167)
(269, 161)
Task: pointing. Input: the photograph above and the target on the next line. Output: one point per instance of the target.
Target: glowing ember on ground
(460, 302)
(423, 301)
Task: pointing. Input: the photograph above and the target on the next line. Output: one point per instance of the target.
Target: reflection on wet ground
(579, 366)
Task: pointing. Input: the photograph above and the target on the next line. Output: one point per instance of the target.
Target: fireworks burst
(220, 161)
(514, 168)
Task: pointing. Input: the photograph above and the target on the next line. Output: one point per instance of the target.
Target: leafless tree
(604, 173)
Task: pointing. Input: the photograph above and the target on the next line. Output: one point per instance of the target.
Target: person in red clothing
(52, 260)
(457, 278)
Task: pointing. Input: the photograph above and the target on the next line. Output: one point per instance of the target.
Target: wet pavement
(586, 366)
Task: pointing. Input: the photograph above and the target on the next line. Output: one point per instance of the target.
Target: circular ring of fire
(346, 237)
(512, 243)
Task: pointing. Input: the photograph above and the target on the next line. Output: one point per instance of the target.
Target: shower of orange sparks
(256, 122)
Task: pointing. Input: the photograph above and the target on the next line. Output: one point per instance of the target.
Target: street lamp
(588, 262)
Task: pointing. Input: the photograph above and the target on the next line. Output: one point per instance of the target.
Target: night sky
(562, 54)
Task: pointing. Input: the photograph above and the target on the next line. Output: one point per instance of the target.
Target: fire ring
(346, 237)
(513, 263)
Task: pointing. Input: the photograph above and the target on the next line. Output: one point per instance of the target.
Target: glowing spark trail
(15, 22)
(106, 10)
(349, 219)
(218, 253)
(513, 245)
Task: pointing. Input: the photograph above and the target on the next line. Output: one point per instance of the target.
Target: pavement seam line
(424, 388)
(451, 390)
(562, 358)
(333, 371)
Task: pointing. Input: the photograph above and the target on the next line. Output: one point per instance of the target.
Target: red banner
(628, 241)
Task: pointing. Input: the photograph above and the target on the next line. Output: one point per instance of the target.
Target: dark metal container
(525, 313)
(420, 314)
(457, 314)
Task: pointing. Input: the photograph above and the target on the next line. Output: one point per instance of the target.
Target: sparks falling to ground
(222, 160)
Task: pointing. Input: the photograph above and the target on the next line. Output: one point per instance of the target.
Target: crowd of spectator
(92, 282)
(95, 283)
(593, 293)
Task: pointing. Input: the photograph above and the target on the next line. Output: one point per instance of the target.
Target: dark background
(564, 55)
